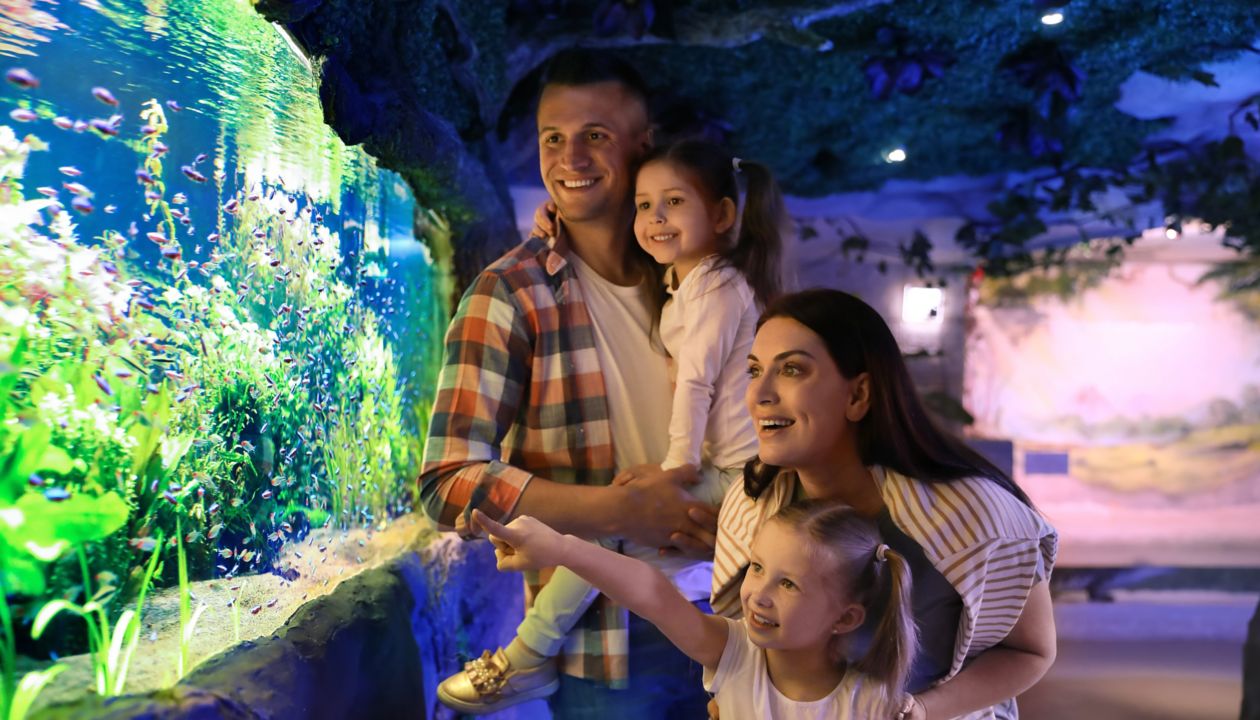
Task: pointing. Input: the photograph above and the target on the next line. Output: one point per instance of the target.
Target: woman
(838, 419)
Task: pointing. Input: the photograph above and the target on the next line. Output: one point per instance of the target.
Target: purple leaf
(876, 72)
(909, 77)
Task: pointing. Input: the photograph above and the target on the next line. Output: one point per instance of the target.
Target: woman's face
(802, 407)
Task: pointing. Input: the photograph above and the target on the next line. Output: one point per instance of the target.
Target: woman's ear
(851, 619)
(859, 398)
(725, 219)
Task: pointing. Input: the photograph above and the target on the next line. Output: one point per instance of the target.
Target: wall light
(895, 155)
(922, 304)
(1053, 18)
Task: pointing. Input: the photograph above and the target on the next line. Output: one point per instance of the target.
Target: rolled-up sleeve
(480, 391)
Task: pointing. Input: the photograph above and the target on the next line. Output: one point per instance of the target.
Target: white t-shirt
(742, 686)
(636, 380)
(708, 326)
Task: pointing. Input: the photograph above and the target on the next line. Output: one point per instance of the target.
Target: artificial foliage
(821, 91)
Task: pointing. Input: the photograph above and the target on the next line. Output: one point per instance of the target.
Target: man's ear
(859, 398)
(725, 216)
(649, 139)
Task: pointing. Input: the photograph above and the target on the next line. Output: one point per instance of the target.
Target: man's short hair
(580, 66)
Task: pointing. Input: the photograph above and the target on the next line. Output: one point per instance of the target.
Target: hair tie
(881, 553)
(735, 162)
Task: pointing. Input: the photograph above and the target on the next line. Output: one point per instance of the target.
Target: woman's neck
(845, 480)
(803, 675)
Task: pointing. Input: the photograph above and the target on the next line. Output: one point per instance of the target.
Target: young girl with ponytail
(817, 570)
(719, 274)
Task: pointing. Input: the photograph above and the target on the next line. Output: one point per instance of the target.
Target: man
(552, 385)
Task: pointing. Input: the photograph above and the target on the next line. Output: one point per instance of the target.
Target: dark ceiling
(821, 91)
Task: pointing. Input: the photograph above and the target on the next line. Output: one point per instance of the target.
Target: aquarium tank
(218, 339)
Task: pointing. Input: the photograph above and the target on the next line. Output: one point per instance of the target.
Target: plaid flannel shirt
(521, 392)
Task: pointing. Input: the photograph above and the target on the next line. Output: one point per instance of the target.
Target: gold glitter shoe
(489, 684)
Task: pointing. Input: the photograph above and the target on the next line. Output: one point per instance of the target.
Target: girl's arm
(527, 544)
(712, 310)
(1003, 671)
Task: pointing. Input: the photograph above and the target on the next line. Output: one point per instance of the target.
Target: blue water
(233, 90)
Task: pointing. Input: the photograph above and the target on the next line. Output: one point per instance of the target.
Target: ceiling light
(1053, 18)
(921, 304)
(1171, 233)
(895, 155)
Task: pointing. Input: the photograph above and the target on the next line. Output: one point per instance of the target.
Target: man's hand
(684, 476)
(699, 541)
(523, 544)
(666, 515)
(544, 220)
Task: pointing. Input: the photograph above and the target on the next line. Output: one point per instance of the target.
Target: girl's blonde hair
(867, 575)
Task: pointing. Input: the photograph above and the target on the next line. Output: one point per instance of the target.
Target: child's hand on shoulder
(545, 220)
(523, 544)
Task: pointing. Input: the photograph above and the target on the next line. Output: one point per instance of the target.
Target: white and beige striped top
(990, 546)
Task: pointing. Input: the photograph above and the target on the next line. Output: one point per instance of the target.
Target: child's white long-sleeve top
(707, 325)
(744, 691)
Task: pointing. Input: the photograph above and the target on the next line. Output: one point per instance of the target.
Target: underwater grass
(111, 649)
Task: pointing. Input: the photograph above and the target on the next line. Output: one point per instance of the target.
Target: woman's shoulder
(976, 508)
(972, 525)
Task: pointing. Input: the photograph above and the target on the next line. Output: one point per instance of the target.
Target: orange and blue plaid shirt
(521, 393)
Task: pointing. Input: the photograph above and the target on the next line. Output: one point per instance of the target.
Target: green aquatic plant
(187, 620)
(31, 685)
(110, 649)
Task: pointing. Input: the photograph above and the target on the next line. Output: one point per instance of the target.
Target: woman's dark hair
(756, 252)
(896, 432)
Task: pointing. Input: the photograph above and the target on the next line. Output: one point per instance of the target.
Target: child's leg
(557, 608)
(524, 669)
(715, 481)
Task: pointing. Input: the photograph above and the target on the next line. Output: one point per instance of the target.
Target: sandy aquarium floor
(265, 602)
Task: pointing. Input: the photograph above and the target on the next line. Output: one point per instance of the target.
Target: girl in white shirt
(720, 273)
(816, 567)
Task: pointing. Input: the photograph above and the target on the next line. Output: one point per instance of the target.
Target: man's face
(589, 140)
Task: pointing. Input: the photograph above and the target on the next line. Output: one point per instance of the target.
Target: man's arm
(484, 380)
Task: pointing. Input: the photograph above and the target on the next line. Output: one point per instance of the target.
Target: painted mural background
(1132, 397)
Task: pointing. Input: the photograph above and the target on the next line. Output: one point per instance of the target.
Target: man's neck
(603, 247)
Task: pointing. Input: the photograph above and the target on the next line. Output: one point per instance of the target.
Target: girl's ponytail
(758, 250)
(896, 637)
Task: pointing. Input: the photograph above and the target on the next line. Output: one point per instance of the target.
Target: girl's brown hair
(868, 574)
(757, 251)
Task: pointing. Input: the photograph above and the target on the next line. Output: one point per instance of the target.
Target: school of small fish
(251, 267)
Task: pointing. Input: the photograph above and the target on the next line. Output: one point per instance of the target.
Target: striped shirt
(521, 392)
(990, 546)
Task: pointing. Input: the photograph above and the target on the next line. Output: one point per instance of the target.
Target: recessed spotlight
(1053, 18)
(921, 304)
(1171, 233)
(895, 155)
